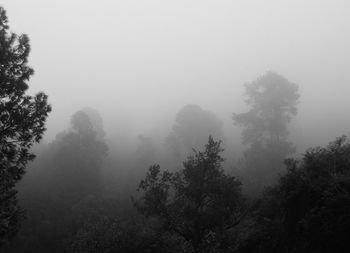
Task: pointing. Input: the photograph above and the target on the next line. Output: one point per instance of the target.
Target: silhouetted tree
(200, 203)
(308, 210)
(273, 101)
(96, 122)
(65, 188)
(191, 129)
(22, 122)
(77, 159)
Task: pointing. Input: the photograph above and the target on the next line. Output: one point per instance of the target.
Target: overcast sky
(139, 62)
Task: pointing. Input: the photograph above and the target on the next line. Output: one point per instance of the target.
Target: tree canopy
(77, 158)
(191, 129)
(308, 210)
(199, 203)
(272, 100)
(22, 122)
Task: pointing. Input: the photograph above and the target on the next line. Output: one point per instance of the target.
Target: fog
(143, 93)
(139, 62)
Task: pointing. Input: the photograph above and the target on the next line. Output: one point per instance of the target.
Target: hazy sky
(138, 62)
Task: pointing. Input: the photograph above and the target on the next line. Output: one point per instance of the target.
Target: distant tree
(22, 122)
(77, 159)
(309, 209)
(61, 197)
(200, 203)
(81, 124)
(191, 129)
(96, 121)
(272, 100)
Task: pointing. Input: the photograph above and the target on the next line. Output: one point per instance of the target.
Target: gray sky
(138, 62)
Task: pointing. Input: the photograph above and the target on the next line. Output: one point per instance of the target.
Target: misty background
(175, 126)
(139, 62)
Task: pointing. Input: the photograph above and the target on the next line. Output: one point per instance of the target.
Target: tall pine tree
(272, 100)
(22, 122)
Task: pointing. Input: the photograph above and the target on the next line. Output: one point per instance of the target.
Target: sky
(139, 62)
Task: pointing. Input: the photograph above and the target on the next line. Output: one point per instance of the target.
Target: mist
(154, 79)
(139, 62)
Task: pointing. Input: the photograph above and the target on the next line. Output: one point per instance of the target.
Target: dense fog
(146, 96)
(139, 62)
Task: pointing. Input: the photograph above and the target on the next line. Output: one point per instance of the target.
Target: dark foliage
(109, 235)
(66, 191)
(308, 210)
(200, 203)
(22, 122)
(197, 209)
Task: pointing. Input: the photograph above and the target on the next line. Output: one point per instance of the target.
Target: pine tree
(272, 100)
(22, 122)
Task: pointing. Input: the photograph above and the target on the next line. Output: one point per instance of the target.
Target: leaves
(195, 202)
(307, 211)
(22, 121)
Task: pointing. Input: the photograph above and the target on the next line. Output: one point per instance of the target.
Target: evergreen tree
(22, 122)
(308, 209)
(200, 203)
(191, 129)
(272, 100)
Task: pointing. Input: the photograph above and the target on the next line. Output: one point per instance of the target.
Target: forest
(193, 189)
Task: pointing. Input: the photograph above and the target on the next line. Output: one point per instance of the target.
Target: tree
(76, 162)
(192, 127)
(60, 197)
(272, 100)
(22, 122)
(308, 210)
(96, 121)
(200, 203)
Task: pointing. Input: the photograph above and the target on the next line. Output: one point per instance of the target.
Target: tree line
(269, 201)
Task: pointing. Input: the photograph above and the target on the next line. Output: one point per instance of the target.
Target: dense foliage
(64, 189)
(308, 210)
(199, 203)
(22, 122)
(77, 192)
